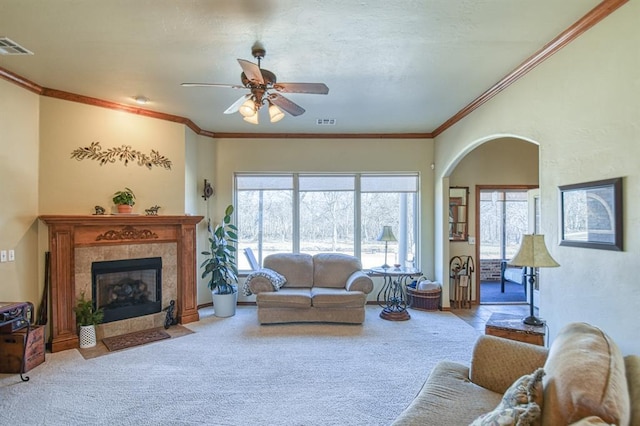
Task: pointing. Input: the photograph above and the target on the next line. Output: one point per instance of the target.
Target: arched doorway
(497, 160)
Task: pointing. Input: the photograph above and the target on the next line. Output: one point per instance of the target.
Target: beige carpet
(232, 371)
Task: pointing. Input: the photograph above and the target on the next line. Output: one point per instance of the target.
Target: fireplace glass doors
(127, 288)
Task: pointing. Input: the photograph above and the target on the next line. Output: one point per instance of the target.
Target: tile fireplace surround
(117, 236)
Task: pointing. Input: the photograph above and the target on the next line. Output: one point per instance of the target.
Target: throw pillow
(277, 280)
(520, 405)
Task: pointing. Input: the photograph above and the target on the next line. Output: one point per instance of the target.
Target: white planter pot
(224, 305)
(87, 336)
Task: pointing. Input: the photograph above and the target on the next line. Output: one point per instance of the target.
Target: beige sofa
(586, 381)
(326, 287)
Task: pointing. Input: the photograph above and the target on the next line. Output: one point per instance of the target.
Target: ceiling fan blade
(284, 103)
(252, 71)
(311, 88)
(236, 105)
(233, 86)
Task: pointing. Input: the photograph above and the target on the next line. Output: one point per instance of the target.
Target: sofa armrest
(263, 280)
(359, 281)
(260, 284)
(497, 362)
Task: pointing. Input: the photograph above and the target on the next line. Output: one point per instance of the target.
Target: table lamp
(533, 254)
(386, 235)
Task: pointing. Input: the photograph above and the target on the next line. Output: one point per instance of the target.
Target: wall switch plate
(12, 255)
(472, 240)
(3, 255)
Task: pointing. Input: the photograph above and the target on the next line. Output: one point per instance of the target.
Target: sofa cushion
(322, 297)
(585, 376)
(334, 269)
(520, 404)
(497, 362)
(448, 398)
(297, 268)
(285, 298)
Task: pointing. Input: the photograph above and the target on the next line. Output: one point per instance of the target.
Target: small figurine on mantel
(152, 211)
(99, 210)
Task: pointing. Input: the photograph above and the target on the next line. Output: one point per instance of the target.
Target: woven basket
(427, 300)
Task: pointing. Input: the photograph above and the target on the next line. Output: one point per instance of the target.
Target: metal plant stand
(392, 297)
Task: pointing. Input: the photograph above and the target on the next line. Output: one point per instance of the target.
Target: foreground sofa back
(587, 381)
(297, 287)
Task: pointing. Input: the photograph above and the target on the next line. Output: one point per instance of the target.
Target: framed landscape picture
(591, 214)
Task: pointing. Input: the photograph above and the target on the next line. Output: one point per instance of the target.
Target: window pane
(244, 182)
(265, 224)
(393, 209)
(389, 183)
(327, 183)
(326, 222)
(503, 217)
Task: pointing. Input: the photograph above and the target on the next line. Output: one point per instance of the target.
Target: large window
(319, 213)
(503, 220)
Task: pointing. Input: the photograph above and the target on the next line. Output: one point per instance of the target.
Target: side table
(15, 316)
(511, 327)
(392, 297)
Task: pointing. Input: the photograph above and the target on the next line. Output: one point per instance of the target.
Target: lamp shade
(386, 234)
(248, 108)
(533, 253)
(275, 113)
(253, 119)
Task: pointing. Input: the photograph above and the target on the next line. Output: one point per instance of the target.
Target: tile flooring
(478, 315)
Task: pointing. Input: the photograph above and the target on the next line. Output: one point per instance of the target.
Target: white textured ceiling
(391, 66)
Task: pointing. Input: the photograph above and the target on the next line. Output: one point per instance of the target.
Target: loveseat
(297, 287)
(582, 379)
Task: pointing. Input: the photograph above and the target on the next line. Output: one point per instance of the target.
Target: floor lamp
(533, 254)
(386, 235)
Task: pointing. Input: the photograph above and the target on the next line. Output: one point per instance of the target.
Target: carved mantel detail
(127, 232)
(66, 233)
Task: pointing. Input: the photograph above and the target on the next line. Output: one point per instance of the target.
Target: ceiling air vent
(326, 122)
(10, 47)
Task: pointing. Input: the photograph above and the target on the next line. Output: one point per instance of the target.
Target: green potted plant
(220, 266)
(87, 317)
(124, 200)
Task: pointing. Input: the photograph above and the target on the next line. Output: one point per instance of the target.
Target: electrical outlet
(12, 255)
(3, 255)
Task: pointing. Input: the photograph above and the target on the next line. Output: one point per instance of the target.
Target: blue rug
(490, 292)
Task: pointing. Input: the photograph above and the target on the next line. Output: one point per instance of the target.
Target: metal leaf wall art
(124, 153)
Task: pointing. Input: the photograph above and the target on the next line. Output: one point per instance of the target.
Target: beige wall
(19, 138)
(581, 106)
(330, 155)
(69, 186)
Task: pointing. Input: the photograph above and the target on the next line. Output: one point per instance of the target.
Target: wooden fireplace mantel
(68, 232)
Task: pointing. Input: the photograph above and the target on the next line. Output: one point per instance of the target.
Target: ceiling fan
(264, 89)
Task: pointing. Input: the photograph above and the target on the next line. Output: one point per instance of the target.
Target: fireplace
(127, 288)
(76, 242)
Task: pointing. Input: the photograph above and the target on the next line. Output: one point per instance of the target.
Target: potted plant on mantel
(87, 317)
(124, 200)
(221, 266)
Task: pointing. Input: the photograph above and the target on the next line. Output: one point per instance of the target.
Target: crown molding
(594, 16)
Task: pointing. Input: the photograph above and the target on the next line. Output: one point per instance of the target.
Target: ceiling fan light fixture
(275, 113)
(248, 108)
(253, 119)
